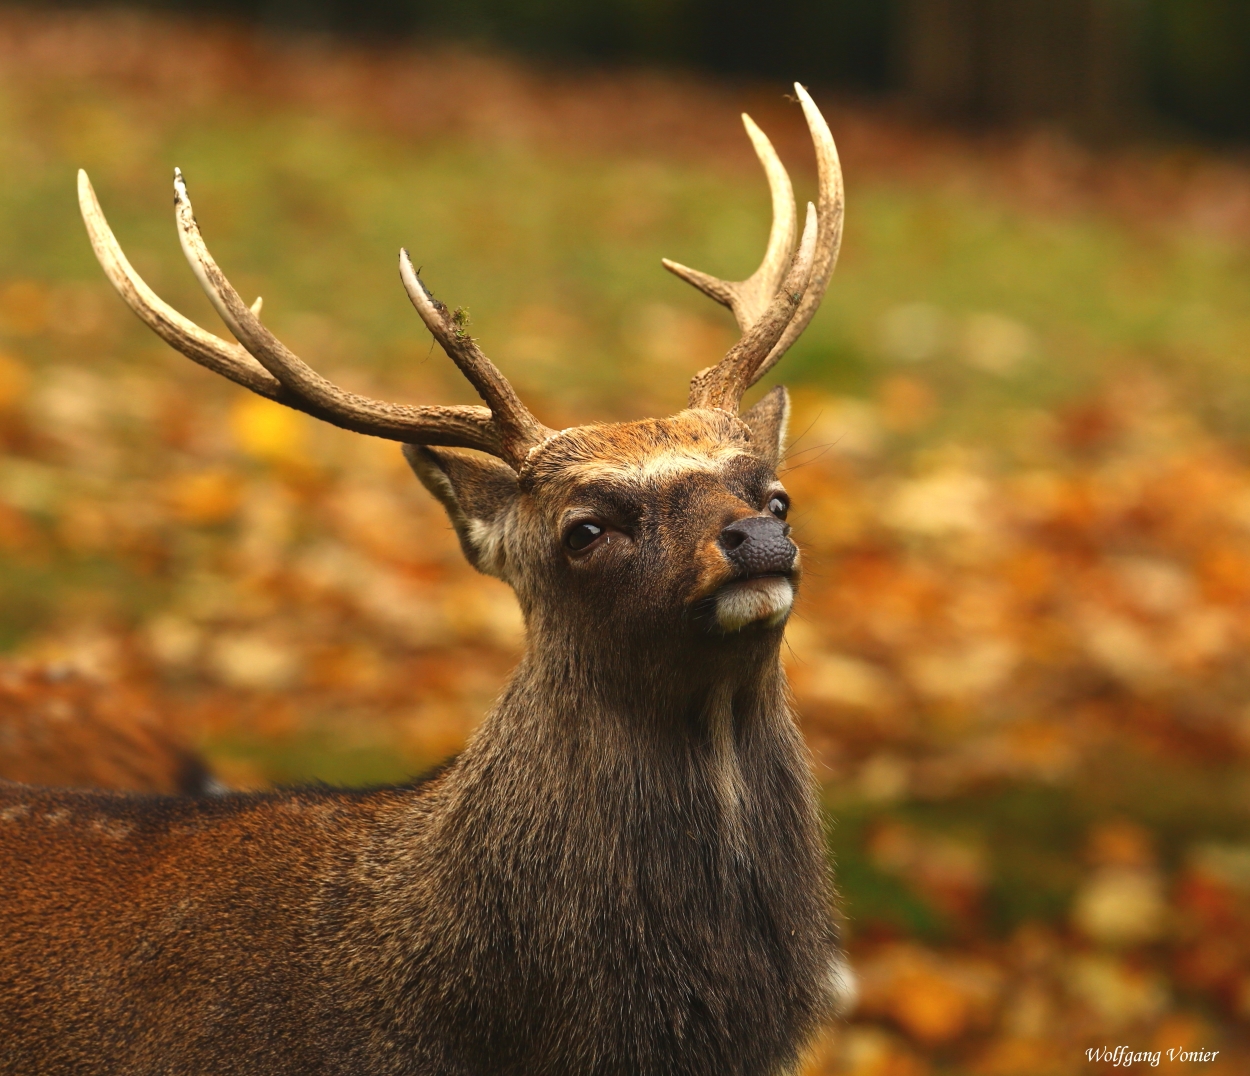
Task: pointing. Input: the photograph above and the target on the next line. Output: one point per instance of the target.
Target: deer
(62, 726)
(624, 871)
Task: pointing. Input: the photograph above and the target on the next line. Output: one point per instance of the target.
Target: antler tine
(722, 385)
(470, 427)
(749, 298)
(519, 429)
(497, 433)
(227, 359)
(756, 299)
(831, 201)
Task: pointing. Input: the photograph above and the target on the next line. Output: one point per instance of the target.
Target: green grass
(311, 213)
(320, 755)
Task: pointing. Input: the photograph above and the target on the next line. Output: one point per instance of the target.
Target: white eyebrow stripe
(665, 464)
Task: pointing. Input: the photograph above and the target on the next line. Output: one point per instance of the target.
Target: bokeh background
(1020, 464)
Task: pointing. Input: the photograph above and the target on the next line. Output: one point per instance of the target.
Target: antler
(504, 428)
(772, 312)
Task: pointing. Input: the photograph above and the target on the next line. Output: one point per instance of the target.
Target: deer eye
(582, 535)
(779, 505)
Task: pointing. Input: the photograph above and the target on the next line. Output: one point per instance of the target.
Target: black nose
(759, 545)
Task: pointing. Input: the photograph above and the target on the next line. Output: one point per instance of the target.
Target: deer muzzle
(764, 557)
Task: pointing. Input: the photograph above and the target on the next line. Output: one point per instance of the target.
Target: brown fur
(60, 727)
(622, 873)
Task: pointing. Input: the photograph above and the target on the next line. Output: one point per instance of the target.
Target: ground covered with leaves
(1020, 474)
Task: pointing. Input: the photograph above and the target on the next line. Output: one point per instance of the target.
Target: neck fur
(609, 727)
(662, 824)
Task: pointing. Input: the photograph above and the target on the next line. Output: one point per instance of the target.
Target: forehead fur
(653, 448)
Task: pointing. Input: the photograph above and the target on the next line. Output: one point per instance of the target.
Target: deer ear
(768, 421)
(477, 492)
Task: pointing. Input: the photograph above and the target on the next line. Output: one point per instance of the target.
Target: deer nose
(758, 545)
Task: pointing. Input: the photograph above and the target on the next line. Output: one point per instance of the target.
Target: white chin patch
(739, 604)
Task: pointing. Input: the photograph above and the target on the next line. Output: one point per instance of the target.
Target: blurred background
(1020, 464)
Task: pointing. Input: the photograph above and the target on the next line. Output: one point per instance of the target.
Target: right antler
(504, 428)
(772, 311)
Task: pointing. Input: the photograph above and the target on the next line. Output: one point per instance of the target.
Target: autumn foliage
(1019, 653)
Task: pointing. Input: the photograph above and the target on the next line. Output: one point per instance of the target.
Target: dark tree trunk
(1073, 61)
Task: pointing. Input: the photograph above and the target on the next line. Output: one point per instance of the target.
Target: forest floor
(1020, 473)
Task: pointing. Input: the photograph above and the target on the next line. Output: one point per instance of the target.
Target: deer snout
(759, 545)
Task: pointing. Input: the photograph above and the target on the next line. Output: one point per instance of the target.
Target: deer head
(674, 523)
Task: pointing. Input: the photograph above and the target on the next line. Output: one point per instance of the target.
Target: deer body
(624, 870)
(621, 873)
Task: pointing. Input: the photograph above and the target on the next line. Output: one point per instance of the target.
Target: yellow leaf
(267, 431)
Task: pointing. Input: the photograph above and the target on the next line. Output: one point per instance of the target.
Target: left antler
(504, 428)
(772, 311)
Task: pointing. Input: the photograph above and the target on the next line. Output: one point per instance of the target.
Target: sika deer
(623, 872)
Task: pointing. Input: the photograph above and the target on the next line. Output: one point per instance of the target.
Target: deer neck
(586, 727)
(646, 688)
(662, 822)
